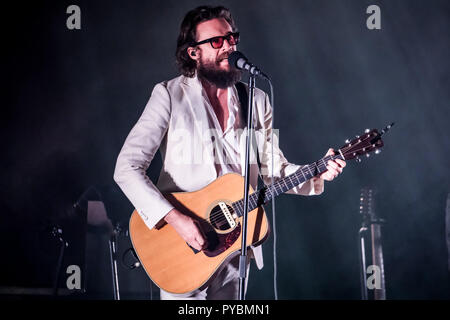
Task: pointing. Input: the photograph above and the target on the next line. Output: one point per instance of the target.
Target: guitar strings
(216, 216)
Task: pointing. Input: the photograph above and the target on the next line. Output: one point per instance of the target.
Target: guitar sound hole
(218, 219)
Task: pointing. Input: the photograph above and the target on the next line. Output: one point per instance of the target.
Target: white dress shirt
(227, 144)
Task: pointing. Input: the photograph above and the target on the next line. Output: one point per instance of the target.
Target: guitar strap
(243, 99)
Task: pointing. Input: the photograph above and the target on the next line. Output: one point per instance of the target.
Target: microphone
(237, 60)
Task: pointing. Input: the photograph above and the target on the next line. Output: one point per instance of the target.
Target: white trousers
(225, 285)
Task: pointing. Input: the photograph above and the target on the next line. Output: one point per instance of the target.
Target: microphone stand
(243, 257)
(113, 258)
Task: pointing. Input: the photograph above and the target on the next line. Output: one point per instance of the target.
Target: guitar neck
(265, 194)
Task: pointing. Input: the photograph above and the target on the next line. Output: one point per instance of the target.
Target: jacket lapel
(192, 90)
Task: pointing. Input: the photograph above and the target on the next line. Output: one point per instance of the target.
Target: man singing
(183, 118)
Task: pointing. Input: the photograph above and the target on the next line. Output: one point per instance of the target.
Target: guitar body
(170, 262)
(218, 208)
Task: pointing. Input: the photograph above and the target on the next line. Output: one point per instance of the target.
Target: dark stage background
(73, 95)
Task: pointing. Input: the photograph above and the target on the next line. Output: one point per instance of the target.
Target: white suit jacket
(175, 121)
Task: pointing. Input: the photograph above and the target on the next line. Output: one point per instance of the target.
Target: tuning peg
(358, 159)
(347, 141)
(377, 151)
(368, 155)
(367, 131)
(357, 137)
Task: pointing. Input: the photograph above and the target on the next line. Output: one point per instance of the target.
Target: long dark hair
(188, 35)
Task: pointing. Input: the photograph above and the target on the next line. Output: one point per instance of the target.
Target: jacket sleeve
(282, 168)
(138, 151)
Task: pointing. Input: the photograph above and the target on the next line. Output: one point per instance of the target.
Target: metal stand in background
(362, 260)
(370, 218)
(57, 233)
(243, 257)
(113, 255)
(377, 255)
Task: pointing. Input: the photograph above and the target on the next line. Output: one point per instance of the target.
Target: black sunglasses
(217, 42)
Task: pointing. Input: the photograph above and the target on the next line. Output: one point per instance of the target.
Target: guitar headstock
(362, 145)
(368, 142)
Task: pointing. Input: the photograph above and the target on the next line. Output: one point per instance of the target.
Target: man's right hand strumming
(187, 228)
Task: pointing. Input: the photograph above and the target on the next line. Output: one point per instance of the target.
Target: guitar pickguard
(220, 242)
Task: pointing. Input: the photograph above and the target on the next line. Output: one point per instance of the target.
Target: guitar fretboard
(264, 195)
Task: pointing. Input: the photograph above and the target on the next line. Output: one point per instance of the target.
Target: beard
(211, 72)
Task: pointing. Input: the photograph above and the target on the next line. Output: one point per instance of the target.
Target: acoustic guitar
(176, 267)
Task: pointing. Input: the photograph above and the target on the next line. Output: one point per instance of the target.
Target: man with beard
(194, 120)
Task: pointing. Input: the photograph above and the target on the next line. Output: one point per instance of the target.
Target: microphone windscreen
(234, 57)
